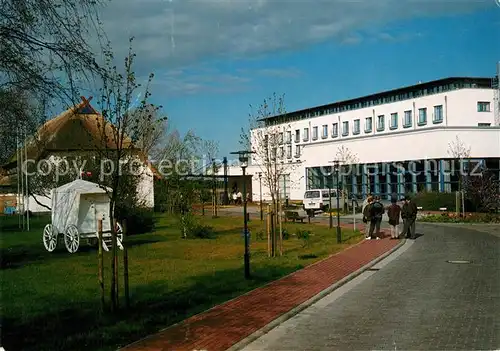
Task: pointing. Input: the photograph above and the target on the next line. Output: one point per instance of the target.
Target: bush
(469, 218)
(286, 234)
(201, 232)
(191, 229)
(304, 235)
(260, 235)
(139, 220)
(433, 201)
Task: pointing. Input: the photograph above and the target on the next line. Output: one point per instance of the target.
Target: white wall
(429, 141)
(145, 188)
(415, 145)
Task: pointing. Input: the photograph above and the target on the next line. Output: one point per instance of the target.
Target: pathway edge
(294, 311)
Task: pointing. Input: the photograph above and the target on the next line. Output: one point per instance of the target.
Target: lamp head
(243, 160)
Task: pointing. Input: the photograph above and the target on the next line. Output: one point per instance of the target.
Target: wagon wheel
(119, 231)
(72, 238)
(49, 238)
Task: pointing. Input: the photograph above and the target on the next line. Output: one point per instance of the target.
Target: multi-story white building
(403, 140)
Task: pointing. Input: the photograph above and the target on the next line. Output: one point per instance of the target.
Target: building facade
(400, 141)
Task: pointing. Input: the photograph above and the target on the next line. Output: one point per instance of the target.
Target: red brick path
(224, 325)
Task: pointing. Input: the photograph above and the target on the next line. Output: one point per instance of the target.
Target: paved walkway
(224, 325)
(417, 301)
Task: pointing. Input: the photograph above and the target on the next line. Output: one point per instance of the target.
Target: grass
(50, 301)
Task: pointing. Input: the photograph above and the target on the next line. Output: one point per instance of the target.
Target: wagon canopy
(67, 199)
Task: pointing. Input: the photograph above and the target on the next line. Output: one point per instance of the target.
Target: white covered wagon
(76, 209)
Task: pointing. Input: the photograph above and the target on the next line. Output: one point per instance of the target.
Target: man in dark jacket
(376, 212)
(409, 215)
(394, 212)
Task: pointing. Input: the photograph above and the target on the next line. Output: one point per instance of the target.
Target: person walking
(376, 213)
(394, 212)
(409, 215)
(366, 215)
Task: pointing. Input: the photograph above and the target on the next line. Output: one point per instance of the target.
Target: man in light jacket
(366, 214)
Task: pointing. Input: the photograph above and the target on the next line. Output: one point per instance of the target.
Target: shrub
(303, 235)
(260, 235)
(286, 234)
(201, 232)
(191, 229)
(469, 218)
(139, 220)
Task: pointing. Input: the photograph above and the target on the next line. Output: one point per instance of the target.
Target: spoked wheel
(119, 231)
(49, 238)
(72, 238)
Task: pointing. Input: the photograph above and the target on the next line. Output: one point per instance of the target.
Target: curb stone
(296, 310)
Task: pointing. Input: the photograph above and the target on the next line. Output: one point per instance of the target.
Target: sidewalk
(224, 325)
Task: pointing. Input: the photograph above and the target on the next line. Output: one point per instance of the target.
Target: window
(356, 127)
(368, 125)
(315, 133)
(483, 106)
(407, 121)
(335, 130)
(422, 116)
(281, 138)
(394, 120)
(289, 136)
(297, 151)
(324, 135)
(289, 151)
(306, 134)
(438, 114)
(381, 123)
(345, 128)
(282, 152)
(297, 135)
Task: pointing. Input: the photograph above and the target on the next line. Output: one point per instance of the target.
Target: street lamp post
(330, 206)
(339, 233)
(243, 158)
(260, 185)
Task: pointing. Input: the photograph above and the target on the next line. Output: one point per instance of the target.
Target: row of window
(381, 123)
(368, 102)
(368, 127)
(407, 122)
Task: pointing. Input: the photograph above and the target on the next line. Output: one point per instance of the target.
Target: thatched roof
(79, 128)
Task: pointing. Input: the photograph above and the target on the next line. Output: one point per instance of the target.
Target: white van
(319, 199)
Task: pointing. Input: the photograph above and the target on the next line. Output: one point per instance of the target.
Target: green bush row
(472, 218)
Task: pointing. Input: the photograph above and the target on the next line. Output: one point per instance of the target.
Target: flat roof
(480, 82)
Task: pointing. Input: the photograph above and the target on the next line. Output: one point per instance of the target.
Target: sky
(212, 59)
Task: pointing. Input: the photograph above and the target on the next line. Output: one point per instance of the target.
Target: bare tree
(483, 191)
(348, 159)
(42, 41)
(209, 151)
(114, 147)
(149, 131)
(271, 145)
(459, 152)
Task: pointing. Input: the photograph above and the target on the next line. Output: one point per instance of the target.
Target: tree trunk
(113, 255)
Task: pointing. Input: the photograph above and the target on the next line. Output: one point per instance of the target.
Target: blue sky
(207, 83)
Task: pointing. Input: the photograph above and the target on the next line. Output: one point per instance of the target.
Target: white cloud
(179, 33)
(208, 79)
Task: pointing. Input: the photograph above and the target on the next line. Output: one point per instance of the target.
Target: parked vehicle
(319, 200)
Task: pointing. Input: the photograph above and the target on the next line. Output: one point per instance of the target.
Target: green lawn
(50, 301)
